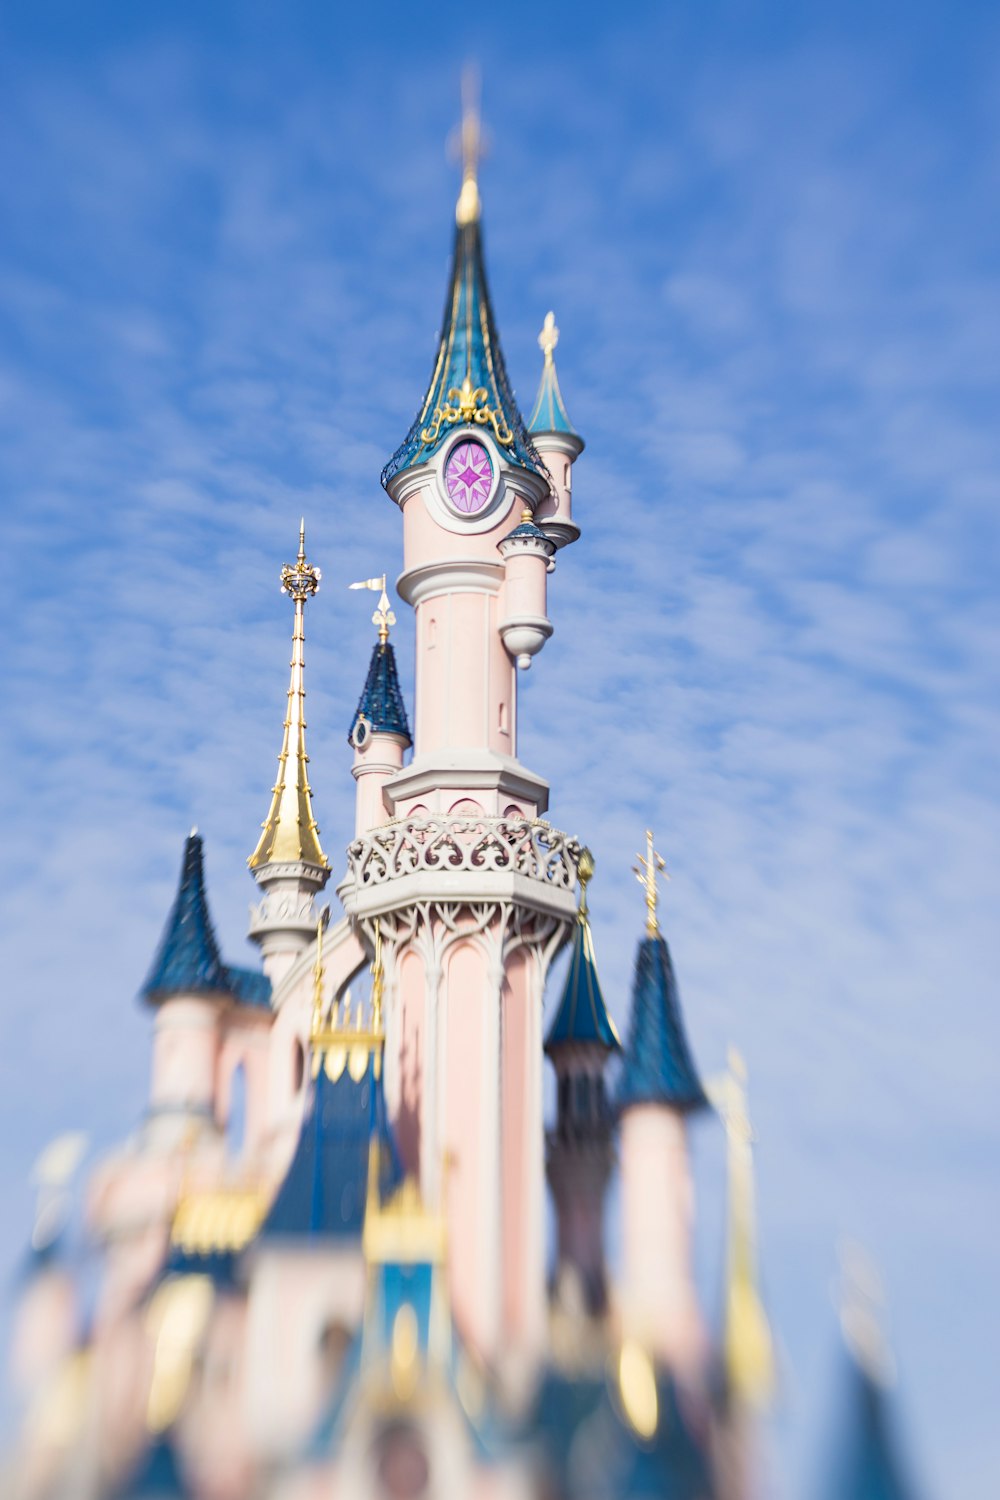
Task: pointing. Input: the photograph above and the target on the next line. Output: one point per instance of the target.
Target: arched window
(298, 1066)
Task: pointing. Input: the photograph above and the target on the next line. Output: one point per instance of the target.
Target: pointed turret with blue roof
(557, 441)
(658, 1089)
(381, 709)
(580, 1154)
(188, 961)
(658, 1066)
(157, 1475)
(469, 386)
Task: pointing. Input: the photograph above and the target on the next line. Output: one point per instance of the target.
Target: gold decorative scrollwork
(468, 404)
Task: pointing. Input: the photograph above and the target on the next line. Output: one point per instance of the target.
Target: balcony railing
(451, 845)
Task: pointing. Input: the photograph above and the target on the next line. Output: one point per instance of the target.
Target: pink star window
(468, 477)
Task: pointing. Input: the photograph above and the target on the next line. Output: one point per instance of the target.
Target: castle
(323, 1263)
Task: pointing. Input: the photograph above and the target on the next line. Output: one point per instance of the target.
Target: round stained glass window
(468, 477)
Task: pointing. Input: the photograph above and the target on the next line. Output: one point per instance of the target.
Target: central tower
(471, 890)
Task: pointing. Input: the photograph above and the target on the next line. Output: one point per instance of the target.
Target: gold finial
(383, 616)
(585, 874)
(748, 1348)
(289, 832)
(471, 141)
(549, 337)
(646, 871)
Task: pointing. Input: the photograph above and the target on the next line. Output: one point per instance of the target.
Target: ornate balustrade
(450, 846)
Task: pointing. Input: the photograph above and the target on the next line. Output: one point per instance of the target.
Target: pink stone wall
(412, 1020)
(470, 1179)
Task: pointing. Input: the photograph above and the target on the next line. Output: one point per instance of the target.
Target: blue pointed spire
(381, 704)
(658, 1066)
(582, 1015)
(188, 960)
(867, 1465)
(469, 385)
(325, 1189)
(549, 412)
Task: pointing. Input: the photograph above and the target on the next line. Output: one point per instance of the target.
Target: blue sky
(770, 237)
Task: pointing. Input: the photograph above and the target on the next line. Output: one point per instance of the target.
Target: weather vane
(300, 579)
(383, 616)
(646, 871)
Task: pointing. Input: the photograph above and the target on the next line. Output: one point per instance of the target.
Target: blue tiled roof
(658, 1066)
(549, 411)
(249, 986)
(866, 1465)
(326, 1186)
(582, 1015)
(469, 349)
(381, 701)
(526, 528)
(156, 1475)
(188, 960)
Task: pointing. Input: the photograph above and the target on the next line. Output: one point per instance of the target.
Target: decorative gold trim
(468, 404)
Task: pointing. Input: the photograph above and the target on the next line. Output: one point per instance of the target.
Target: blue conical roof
(381, 702)
(867, 1466)
(549, 412)
(469, 355)
(582, 1015)
(188, 959)
(325, 1189)
(658, 1066)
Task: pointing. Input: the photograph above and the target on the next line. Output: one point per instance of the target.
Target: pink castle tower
(472, 889)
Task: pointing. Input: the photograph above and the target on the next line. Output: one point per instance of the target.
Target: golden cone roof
(289, 832)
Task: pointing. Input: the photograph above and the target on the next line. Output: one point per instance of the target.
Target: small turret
(580, 1152)
(558, 443)
(288, 863)
(527, 554)
(658, 1088)
(379, 731)
(189, 985)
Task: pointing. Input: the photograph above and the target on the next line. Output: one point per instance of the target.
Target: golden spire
(289, 831)
(549, 337)
(748, 1350)
(471, 142)
(383, 616)
(646, 871)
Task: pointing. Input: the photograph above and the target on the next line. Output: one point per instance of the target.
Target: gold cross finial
(646, 872)
(471, 141)
(383, 616)
(549, 336)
